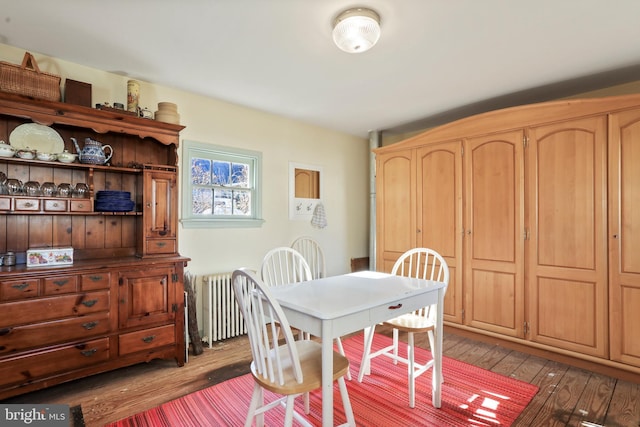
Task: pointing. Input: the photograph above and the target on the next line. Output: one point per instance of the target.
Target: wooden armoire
(536, 209)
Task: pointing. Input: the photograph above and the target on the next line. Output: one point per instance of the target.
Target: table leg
(327, 375)
(437, 363)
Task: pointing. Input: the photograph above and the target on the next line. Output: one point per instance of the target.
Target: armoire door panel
(395, 206)
(564, 310)
(566, 188)
(493, 202)
(629, 329)
(439, 201)
(624, 235)
(494, 219)
(439, 219)
(494, 304)
(567, 248)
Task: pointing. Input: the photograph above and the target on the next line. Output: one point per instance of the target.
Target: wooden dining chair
(312, 252)
(420, 263)
(288, 370)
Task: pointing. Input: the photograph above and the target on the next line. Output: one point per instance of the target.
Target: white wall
(344, 159)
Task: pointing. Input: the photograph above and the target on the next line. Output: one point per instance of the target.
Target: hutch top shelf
(50, 112)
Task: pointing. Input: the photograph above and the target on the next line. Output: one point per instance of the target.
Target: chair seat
(310, 354)
(411, 322)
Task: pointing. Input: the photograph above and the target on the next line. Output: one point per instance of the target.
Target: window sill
(221, 223)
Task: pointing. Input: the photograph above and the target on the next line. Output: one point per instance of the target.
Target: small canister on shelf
(9, 258)
(133, 95)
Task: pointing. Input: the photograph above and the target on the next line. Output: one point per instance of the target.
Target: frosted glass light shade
(356, 30)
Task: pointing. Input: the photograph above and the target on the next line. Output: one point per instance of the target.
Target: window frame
(193, 149)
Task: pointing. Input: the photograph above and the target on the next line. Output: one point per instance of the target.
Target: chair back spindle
(313, 254)
(284, 265)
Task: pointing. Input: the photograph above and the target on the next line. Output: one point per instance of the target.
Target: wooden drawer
(94, 281)
(146, 339)
(26, 337)
(5, 203)
(387, 311)
(24, 369)
(161, 246)
(80, 205)
(29, 205)
(18, 289)
(55, 205)
(60, 285)
(52, 308)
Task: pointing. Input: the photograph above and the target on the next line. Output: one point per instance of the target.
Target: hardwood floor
(568, 396)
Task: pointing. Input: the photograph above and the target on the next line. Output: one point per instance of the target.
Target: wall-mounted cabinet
(536, 209)
(122, 300)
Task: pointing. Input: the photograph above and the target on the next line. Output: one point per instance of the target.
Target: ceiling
(437, 60)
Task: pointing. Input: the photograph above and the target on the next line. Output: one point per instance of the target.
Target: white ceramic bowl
(45, 156)
(6, 150)
(26, 154)
(67, 157)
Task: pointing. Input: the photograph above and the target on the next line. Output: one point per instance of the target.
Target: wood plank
(547, 380)
(509, 364)
(562, 399)
(529, 370)
(594, 401)
(62, 230)
(625, 405)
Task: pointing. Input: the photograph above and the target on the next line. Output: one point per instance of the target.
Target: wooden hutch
(121, 302)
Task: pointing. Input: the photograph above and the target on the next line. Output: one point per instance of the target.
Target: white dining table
(334, 306)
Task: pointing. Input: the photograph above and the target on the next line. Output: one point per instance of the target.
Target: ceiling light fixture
(356, 30)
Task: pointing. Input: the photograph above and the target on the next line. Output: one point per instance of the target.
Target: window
(221, 186)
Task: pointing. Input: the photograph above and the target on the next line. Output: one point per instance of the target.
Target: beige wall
(623, 89)
(344, 159)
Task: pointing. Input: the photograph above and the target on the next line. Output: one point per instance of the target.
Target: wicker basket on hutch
(27, 79)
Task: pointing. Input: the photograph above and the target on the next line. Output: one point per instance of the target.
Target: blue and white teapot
(93, 152)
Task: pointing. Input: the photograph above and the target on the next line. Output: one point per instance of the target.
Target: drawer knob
(21, 286)
(89, 353)
(90, 325)
(149, 338)
(89, 303)
(395, 307)
(95, 278)
(5, 331)
(60, 282)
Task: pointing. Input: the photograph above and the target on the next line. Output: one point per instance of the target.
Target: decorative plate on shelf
(32, 136)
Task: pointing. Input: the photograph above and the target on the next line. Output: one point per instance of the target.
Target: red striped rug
(471, 396)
